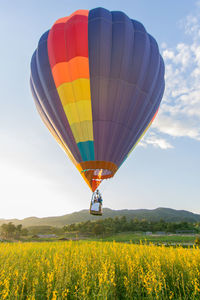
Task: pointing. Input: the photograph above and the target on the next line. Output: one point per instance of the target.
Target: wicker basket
(94, 212)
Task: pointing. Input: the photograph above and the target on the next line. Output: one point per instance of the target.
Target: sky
(36, 177)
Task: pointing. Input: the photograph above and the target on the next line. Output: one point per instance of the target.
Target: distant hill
(167, 214)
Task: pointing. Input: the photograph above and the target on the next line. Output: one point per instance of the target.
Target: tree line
(10, 231)
(106, 226)
(115, 225)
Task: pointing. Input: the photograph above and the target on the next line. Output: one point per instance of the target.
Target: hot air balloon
(97, 79)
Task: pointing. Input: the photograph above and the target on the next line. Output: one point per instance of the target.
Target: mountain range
(167, 214)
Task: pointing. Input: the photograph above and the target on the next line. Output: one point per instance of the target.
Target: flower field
(98, 270)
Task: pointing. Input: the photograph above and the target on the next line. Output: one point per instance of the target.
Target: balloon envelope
(97, 79)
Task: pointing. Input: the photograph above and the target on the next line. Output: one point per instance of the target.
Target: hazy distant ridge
(167, 214)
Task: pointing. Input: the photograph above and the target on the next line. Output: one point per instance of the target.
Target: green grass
(136, 238)
(125, 237)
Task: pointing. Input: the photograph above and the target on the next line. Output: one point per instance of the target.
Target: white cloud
(158, 142)
(168, 54)
(152, 139)
(179, 114)
(176, 128)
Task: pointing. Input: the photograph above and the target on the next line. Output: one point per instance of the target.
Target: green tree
(8, 230)
(18, 231)
(98, 229)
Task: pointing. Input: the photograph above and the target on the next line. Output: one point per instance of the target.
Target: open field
(126, 237)
(98, 270)
(154, 238)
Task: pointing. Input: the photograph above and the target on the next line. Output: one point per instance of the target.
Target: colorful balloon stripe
(74, 91)
(87, 150)
(82, 131)
(68, 38)
(70, 69)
